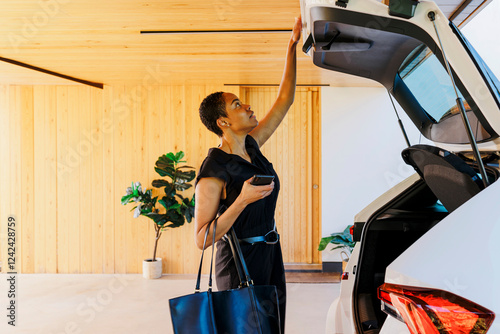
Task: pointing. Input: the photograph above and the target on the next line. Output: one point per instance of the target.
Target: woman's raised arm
(286, 93)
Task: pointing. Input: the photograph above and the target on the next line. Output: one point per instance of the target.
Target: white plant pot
(152, 269)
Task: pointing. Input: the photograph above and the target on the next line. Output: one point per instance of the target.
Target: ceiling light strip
(193, 32)
(39, 69)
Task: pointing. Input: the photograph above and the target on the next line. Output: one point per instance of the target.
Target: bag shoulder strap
(238, 258)
(198, 279)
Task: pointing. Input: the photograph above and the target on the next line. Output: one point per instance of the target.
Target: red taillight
(429, 311)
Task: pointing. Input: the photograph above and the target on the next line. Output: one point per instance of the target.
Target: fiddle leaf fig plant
(172, 209)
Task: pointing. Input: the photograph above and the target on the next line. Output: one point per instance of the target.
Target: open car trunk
(387, 234)
(434, 74)
(405, 57)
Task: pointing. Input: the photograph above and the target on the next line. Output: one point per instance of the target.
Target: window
(430, 84)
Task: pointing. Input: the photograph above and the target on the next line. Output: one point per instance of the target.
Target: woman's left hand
(297, 28)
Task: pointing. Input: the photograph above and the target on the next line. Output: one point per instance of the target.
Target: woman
(223, 183)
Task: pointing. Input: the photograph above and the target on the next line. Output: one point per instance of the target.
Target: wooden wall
(68, 153)
(294, 151)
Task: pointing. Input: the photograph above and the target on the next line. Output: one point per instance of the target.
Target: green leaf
(159, 219)
(165, 172)
(182, 186)
(189, 214)
(182, 167)
(167, 202)
(171, 156)
(342, 239)
(170, 201)
(161, 183)
(175, 206)
(175, 217)
(170, 191)
(334, 248)
(186, 176)
(165, 166)
(126, 199)
(324, 242)
(178, 156)
(162, 202)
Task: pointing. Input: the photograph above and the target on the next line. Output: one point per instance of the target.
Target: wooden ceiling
(100, 41)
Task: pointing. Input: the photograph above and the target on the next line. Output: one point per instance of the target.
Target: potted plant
(174, 209)
(343, 240)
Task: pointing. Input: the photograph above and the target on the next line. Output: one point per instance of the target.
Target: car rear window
(430, 84)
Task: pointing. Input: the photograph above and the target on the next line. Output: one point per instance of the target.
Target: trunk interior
(386, 235)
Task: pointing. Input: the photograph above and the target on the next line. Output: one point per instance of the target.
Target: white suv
(427, 258)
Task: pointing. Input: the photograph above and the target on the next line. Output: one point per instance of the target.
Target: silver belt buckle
(268, 237)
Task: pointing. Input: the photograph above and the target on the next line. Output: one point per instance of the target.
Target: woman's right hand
(250, 193)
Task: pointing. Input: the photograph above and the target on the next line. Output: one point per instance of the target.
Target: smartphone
(262, 180)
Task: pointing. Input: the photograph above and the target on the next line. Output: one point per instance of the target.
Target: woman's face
(240, 118)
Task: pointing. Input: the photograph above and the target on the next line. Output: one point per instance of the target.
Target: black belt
(271, 238)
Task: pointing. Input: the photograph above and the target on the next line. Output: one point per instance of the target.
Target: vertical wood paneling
(45, 143)
(316, 158)
(51, 175)
(296, 184)
(27, 226)
(166, 133)
(192, 148)
(176, 143)
(142, 168)
(155, 145)
(286, 160)
(71, 152)
(133, 165)
(121, 162)
(97, 138)
(4, 172)
(74, 208)
(290, 150)
(64, 173)
(108, 194)
(85, 150)
(309, 185)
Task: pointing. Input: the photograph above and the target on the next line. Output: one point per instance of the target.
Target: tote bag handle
(198, 279)
(239, 261)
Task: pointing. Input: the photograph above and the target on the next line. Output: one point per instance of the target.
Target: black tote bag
(248, 309)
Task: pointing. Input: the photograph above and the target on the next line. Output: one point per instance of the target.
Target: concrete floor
(74, 304)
